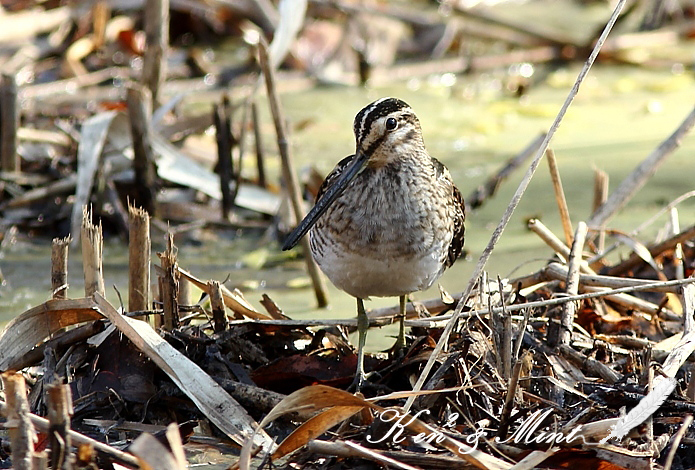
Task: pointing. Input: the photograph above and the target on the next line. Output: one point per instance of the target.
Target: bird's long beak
(331, 194)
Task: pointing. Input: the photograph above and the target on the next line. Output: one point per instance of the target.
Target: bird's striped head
(385, 130)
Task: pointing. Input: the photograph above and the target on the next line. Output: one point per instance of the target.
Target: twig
(506, 337)
(487, 16)
(512, 206)
(559, 195)
(140, 114)
(642, 226)
(563, 250)
(419, 459)
(509, 398)
(591, 365)
(570, 308)
(258, 139)
(289, 173)
(488, 189)
(445, 319)
(634, 260)
(225, 168)
(555, 243)
(157, 37)
(9, 122)
(558, 272)
(601, 180)
(675, 442)
(641, 174)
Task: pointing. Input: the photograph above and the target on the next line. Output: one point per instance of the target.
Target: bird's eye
(391, 124)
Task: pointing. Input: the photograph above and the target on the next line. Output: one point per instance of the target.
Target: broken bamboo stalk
(170, 285)
(157, 40)
(140, 113)
(139, 258)
(630, 185)
(18, 423)
(92, 254)
(59, 402)
(59, 267)
(289, 173)
(219, 315)
(9, 123)
(42, 425)
(559, 195)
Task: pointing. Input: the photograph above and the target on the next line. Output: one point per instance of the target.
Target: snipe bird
(388, 220)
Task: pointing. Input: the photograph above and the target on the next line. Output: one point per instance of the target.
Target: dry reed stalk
(559, 195)
(497, 233)
(634, 260)
(9, 123)
(572, 283)
(18, 424)
(508, 406)
(677, 438)
(139, 259)
(169, 285)
(222, 117)
(92, 254)
(59, 403)
(258, 140)
(140, 113)
(630, 185)
(289, 173)
(219, 315)
(42, 425)
(157, 39)
(601, 181)
(442, 320)
(59, 267)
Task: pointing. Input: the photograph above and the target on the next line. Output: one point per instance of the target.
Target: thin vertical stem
(289, 173)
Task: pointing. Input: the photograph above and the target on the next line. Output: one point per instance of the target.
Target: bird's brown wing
(332, 176)
(456, 246)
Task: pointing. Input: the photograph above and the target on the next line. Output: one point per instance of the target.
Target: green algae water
(619, 117)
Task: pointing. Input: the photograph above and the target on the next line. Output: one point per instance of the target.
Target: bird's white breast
(364, 277)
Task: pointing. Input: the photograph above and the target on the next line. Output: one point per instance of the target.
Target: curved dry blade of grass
(317, 397)
(314, 427)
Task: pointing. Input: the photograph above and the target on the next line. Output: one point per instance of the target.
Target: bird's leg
(400, 341)
(362, 327)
